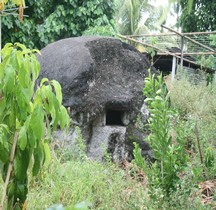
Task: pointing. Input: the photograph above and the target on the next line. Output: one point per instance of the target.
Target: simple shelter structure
(173, 48)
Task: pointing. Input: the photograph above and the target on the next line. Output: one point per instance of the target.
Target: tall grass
(195, 100)
(197, 107)
(196, 103)
(103, 185)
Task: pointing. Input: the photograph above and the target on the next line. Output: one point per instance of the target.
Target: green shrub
(170, 157)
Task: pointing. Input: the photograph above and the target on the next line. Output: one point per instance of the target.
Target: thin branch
(198, 142)
(10, 167)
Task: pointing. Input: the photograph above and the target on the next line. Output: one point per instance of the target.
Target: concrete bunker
(102, 82)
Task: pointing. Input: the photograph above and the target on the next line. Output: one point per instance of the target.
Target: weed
(170, 158)
(72, 182)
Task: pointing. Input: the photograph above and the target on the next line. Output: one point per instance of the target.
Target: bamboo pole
(156, 48)
(186, 37)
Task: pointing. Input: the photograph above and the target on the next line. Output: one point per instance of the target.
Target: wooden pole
(182, 48)
(186, 37)
(173, 68)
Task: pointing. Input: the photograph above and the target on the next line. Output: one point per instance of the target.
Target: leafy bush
(25, 129)
(107, 30)
(183, 150)
(170, 157)
(52, 20)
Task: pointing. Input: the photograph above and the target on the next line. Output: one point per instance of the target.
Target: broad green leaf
(36, 166)
(7, 50)
(41, 152)
(53, 106)
(24, 74)
(37, 98)
(58, 90)
(2, 104)
(36, 51)
(23, 47)
(47, 153)
(35, 66)
(39, 157)
(21, 162)
(22, 139)
(11, 189)
(22, 190)
(19, 59)
(4, 154)
(37, 122)
(43, 81)
(9, 79)
(15, 57)
(27, 122)
(4, 127)
(64, 117)
(32, 138)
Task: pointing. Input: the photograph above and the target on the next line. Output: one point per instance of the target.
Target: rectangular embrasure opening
(114, 117)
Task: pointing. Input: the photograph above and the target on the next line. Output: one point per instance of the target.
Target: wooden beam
(192, 40)
(171, 34)
(156, 48)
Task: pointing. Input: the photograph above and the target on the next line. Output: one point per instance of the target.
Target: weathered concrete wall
(100, 75)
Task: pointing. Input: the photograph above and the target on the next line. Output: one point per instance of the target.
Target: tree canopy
(52, 20)
(202, 16)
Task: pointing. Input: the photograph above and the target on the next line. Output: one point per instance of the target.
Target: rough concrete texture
(99, 74)
(110, 139)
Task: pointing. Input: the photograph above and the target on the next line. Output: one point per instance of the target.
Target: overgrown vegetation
(171, 182)
(182, 134)
(27, 118)
(50, 21)
(182, 141)
(170, 157)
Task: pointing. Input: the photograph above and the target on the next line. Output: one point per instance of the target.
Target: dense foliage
(49, 21)
(25, 128)
(170, 158)
(202, 16)
(182, 140)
